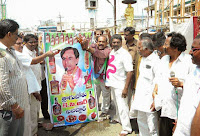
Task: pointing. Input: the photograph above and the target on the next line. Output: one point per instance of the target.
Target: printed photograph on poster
(70, 80)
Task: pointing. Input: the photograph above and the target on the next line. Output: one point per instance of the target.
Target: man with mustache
(131, 47)
(118, 77)
(13, 86)
(175, 67)
(100, 53)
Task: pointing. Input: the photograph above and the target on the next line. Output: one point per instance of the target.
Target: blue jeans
(9, 126)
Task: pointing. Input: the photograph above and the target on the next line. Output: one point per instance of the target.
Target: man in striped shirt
(13, 86)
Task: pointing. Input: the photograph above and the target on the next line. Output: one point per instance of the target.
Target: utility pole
(60, 17)
(115, 20)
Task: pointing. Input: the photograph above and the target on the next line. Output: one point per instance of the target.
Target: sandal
(123, 133)
(113, 121)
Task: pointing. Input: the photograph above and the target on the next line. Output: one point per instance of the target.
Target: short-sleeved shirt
(35, 68)
(32, 82)
(146, 82)
(182, 67)
(119, 63)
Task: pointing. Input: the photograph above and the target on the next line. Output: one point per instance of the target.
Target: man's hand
(124, 93)
(154, 94)
(153, 107)
(175, 82)
(42, 62)
(174, 128)
(37, 96)
(17, 111)
(70, 80)
(84, 44)
(49, 53)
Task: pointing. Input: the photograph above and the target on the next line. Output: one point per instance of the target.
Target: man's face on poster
(69, 61)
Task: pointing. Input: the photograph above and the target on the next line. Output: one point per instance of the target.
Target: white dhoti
(122, 109)
(148, 123)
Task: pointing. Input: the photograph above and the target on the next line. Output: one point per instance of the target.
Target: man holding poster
(100, 53)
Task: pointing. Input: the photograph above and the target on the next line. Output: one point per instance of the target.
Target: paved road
(95, 128)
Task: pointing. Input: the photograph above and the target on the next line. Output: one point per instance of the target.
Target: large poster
(70, 80)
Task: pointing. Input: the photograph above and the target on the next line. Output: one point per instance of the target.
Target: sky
(29, 13)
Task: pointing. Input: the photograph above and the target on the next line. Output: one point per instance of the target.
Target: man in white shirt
(118, 77)
(191, 96)
(33, 85)
(147, 120)
(175, 67)
(158, 41)
(29, 50)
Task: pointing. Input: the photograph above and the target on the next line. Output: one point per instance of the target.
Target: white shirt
(148, 71)
(119, 63)
(32, 82)
(35, 68)
(182, 66)
(189, 104)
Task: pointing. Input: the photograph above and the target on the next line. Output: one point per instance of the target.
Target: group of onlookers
(150, 79)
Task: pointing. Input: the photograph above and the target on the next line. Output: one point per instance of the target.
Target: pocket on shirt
(148, 74)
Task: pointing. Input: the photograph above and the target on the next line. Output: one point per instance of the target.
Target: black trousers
(44, 103)
(165, 126)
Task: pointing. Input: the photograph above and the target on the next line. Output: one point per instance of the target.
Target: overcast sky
(29, 12)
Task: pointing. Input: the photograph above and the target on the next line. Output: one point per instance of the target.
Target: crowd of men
(22, 81)
(150, 79)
